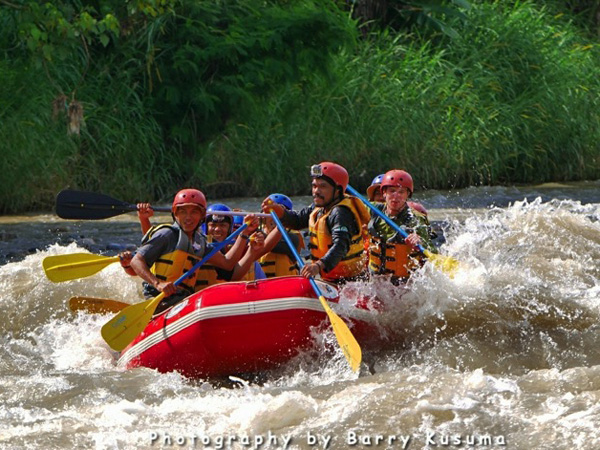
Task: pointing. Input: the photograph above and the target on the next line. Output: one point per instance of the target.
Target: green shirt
(409, 220)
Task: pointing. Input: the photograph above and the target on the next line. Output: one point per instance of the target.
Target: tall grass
(35, 155)
(514, 101)
(119, 151)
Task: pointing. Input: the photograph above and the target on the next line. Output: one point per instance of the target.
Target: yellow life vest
(320, 240)
(280, 264)
(170, 266)
(207, 274)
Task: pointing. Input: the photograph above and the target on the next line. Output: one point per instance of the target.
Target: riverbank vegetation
(137, 99)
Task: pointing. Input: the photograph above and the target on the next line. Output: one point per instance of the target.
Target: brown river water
(504, 355)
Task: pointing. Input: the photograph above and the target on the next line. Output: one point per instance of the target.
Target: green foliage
(120, 149)
(54, 30)
(35, 160)
(148, 80)
(585, 13)
(514, 101)
(215, 61)
(426, 17)
(246, 96)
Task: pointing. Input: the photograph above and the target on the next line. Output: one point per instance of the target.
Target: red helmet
(398, 178)
(336, 174)
(189, 197)
(418, 207)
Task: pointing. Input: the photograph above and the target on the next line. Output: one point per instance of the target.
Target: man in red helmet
(334, 221)
(170, 250)
(389, 253)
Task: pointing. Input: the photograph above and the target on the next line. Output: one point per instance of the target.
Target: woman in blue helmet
(279, 260)
(374, 191)
(218, 227)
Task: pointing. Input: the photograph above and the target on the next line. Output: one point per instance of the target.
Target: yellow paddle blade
(446, 264)
(345, 338)
(75, 265)
(119, 331)
(94, 305)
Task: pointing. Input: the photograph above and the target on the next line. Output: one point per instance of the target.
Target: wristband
(245, 236)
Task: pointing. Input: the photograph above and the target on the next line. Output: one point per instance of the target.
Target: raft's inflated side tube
(232, 328)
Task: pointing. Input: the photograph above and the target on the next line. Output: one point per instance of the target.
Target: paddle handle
(132, 207)
(389, 221)
(210, 211)
(236, 213)
(118, 209)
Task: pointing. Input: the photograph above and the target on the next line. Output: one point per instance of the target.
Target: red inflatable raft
(238, 328)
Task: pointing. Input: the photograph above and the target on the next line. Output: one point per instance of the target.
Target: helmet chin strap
(336, 198)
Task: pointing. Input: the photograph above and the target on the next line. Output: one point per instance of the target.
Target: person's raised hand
(144, 210)
(269, 205)
(253, 223)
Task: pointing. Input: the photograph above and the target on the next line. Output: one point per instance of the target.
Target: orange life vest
(387, 258)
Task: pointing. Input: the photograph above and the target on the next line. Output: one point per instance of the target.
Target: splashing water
(506, 353)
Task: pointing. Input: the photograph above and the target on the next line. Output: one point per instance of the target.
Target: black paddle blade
(89, 205)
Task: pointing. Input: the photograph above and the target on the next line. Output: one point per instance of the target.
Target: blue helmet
(282, 200)
(377, 179)
(216, 217)
(374, 185)
(238, 221)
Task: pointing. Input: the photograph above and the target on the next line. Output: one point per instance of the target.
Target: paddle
(94, 305)
(80, 205)
(344, 336)
(131, 321)
(75, 265)
(89, 205)
(444, 263)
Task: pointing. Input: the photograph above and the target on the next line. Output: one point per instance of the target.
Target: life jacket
(280, 264)
(250, 274)
(172, 265)
(390, 257)
(207, 274)
(320, 240)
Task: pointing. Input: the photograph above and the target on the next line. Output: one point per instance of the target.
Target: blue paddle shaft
(389, 221)
(299, 260)
(215, 249)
